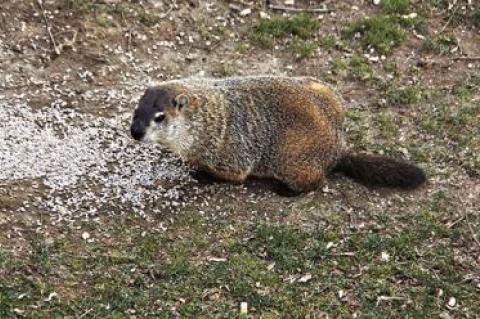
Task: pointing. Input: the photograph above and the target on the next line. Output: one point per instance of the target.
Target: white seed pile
(83, 164)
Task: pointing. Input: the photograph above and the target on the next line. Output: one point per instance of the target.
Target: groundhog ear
(181, 101)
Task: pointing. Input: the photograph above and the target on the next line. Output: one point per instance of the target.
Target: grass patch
(387, 126)
(303, 49)
(440, 44)
(402, 95)
(40, 254)
(110, 15)
(475, 17)
(282, 245)
(263, 271)
(148, 19)
(355, 68)
(395, 6)
(359, 68)
(266, 31)
(327, 41)
(382, 33)
(454, 126)
(241, 47)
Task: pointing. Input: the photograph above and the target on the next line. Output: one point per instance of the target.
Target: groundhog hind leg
(300, 179)
(298, 164)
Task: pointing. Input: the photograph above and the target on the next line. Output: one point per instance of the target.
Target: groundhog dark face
(159, 116)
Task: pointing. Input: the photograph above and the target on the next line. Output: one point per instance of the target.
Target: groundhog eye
(159, 117)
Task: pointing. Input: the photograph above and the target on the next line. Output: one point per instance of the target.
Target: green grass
(40, 254)
(303, 49)
(356, 68)
(112, 15)
(266, 31)
(382, 32)
(327, 41)
(475, 17)
(105, 21)
(395, 6)
(402, 95)
(440, 44)
(148, 19)
(152, 275)
(359, 68)
(387, 126)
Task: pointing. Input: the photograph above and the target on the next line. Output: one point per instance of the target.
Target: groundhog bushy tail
(376, 170)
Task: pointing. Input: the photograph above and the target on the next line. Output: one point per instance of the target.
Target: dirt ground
(94, 225)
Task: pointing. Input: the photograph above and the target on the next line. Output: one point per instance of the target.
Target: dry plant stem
(85, 313)
(380, 299)
(471, 231)
(47, 25)
(293, 9)
(467, 58)
(449, 19)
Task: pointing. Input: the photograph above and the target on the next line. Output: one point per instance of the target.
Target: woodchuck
(283, 128)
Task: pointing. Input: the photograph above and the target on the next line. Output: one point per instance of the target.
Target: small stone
(85, 235)
(264, 15)
(452, 302)
(412, 15)
(245, 12)
(439, 292)
(376, 2)
(243, 308)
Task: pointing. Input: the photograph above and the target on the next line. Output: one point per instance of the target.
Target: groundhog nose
(137, 130)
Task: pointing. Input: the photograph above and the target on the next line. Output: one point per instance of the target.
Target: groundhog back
(293, 121)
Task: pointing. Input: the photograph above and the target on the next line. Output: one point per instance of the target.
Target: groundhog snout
(137, 129)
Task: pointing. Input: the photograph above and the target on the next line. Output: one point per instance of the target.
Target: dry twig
(293, 9)
(450, 225)
(467, 58)
(85, 313)
(380, 299)
(471, 231)
(449, 19)
(47, 25)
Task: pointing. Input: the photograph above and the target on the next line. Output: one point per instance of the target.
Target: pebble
(452, 302)
(245, 12)
(243, 308)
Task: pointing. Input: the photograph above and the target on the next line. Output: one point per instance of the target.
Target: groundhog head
(159, 117)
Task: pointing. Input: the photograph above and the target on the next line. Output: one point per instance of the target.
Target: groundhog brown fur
(285, 128)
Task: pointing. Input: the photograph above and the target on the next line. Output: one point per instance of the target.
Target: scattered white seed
(305, 277)
(385, 256)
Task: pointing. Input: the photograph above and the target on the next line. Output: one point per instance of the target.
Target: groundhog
(283, 128)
